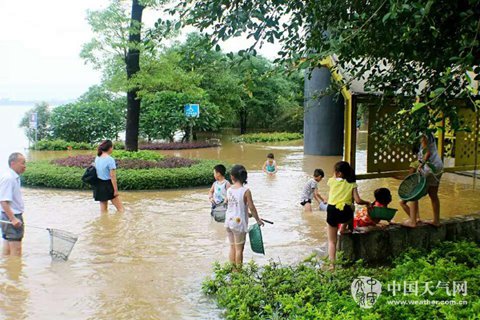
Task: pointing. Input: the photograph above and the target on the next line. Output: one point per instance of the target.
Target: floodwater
(149, 262)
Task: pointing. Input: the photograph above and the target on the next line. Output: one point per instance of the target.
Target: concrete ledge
(382, 244)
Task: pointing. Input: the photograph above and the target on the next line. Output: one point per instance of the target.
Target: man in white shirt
(12, 206)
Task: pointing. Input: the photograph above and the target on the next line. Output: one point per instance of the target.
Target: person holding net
(12, 205)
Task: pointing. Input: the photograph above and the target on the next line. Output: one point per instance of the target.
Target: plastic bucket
(383, 213)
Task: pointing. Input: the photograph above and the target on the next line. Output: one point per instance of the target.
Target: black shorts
(304, 202)
(9, 232)
(103, 190)
(335, 216)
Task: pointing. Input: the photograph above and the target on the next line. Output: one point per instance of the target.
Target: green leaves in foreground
(305, 291)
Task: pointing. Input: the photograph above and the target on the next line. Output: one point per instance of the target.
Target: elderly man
(12, 206)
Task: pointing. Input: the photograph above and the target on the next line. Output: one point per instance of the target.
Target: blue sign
(192, 110)
(33, 121)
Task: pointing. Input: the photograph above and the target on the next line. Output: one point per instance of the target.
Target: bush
(47, 174)
(163, 115)
(84, 161)
(178, 145)
(268, 137)
(137, 155)
(60, 145)
(42, 110)
(95, 116)
(304, 291)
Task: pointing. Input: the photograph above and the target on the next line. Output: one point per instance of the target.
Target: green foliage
(305, 291)
(163, 115)
(46, 174)
(250, 92)
(111, 27)
(107, 51)
(268, 137)
(416, 48)
(137, 155)
(94, 116)
(43, 119)
(60, 145)
(163, 72)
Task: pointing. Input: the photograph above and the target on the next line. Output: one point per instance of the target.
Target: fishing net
(61, 243)
(256, 239)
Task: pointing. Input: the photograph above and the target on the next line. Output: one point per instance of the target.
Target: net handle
(267, 221)
(30, 226)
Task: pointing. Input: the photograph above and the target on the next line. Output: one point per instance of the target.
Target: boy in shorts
(310, 191)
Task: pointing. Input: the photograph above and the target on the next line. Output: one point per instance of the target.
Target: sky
(40, 43)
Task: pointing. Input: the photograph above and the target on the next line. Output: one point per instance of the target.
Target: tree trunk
(133, 66)
(243, 121)
(188, 134)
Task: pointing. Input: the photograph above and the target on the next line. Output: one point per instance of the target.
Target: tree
(267, 94)
(403, 48)
(43, 118)
(162, 115)
(249, 92)
(132, 62)
(121, 42)
(95, 116)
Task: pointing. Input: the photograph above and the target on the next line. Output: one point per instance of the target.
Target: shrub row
(46, 174)
(305, 291)
(179, 145)
(61, 145)
(268, 137)
(137, 155)
(84, 161)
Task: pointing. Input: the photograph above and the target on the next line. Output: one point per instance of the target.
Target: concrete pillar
(323, 118)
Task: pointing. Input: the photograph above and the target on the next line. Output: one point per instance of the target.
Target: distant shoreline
(13, 103)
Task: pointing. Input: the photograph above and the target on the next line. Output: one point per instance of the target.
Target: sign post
(191, 111)
(34, 125)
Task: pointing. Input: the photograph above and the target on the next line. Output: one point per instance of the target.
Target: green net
(256, 240)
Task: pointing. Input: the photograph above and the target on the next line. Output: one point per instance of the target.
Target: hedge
(268, 137)
(46, 174)
(308, 291)
(179, 145)
(62, 145)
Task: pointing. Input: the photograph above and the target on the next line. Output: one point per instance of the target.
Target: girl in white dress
(239, 200)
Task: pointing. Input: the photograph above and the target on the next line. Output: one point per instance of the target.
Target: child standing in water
(218, 191)
(343, 191)
(431, 166)
(239, 200)
(270, 166)
(310, 191)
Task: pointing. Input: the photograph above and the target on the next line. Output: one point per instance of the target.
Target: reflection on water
(14, 294)
(148, 263)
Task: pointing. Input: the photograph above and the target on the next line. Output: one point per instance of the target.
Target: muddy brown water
(149, 262)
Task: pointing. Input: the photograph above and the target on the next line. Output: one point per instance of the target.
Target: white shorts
(236, 237)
